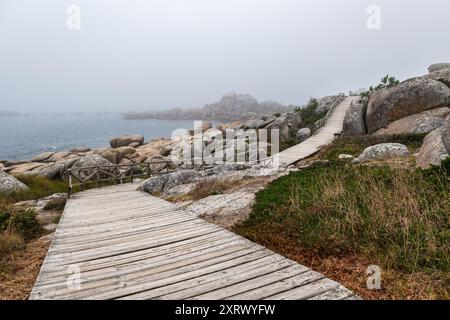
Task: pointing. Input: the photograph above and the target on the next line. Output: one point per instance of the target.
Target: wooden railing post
(69, 183)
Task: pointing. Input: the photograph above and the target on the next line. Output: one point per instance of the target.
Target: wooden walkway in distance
(323, 137)
(119, 243)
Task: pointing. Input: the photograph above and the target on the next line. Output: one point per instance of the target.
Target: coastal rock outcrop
(91, 160)
(158, 184)
(423, 122)
(287, 124)
(124, 141)
(433, 150)
(231, 107)
(409, 97)
(383, 151)
(80, 149)
(223, 204)
(438, 66)
(441, 76)
(42, 157)
(446, 134)
(9, 184)
(354, 124)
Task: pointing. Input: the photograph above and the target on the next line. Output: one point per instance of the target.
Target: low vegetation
(309, 113)
(19, 229)
(17, 226)
(39, 187)
(356, 145)
(361, 215)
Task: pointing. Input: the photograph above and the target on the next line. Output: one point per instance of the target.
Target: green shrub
(309, 113)
(24, 222)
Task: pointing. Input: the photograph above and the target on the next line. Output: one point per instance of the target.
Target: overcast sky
(135, 55)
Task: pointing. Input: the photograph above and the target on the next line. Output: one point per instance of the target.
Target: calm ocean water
(23, 137)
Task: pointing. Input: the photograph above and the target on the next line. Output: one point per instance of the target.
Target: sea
(25, 136)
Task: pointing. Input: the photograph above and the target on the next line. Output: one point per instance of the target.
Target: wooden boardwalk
(323, 137)
(119, 243)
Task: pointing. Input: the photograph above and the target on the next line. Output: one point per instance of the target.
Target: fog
(136, 55)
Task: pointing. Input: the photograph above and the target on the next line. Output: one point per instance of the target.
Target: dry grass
(10, 241)
(22, 269)
(211, 187)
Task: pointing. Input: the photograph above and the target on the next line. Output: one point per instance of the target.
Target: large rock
(52, 170)
(433, 150)
(10, 184)
(42, 157)
(438, 66)
(124, 141)
(91, 160)
(24, 168)
(159, 183)
(423, 122)
(410, 97)
(58, 156)
(446, 134)
(256, 124)
(80, 149)
(441, 76)
(81, 167)
(224, 204)
(325, 104)
(287, 124)
(383, 151)
(303, 134)
(354, 124)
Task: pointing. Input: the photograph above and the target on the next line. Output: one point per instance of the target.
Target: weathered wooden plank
(278, 287)
(306, 291)
(252, 283)
(138, 282)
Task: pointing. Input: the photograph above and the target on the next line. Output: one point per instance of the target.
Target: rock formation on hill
(409, 97)
(231, 107)
(417, 105)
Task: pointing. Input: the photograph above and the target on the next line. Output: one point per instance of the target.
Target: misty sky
(135, 55)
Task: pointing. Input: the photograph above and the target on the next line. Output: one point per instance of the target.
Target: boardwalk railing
(84, 177)
(320, 123)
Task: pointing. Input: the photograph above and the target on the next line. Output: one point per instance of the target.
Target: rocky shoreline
(419, 105)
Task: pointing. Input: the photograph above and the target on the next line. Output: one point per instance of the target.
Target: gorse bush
(398, 216)
(309, 112)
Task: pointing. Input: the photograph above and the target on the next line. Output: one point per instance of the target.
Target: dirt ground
(22, 268)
